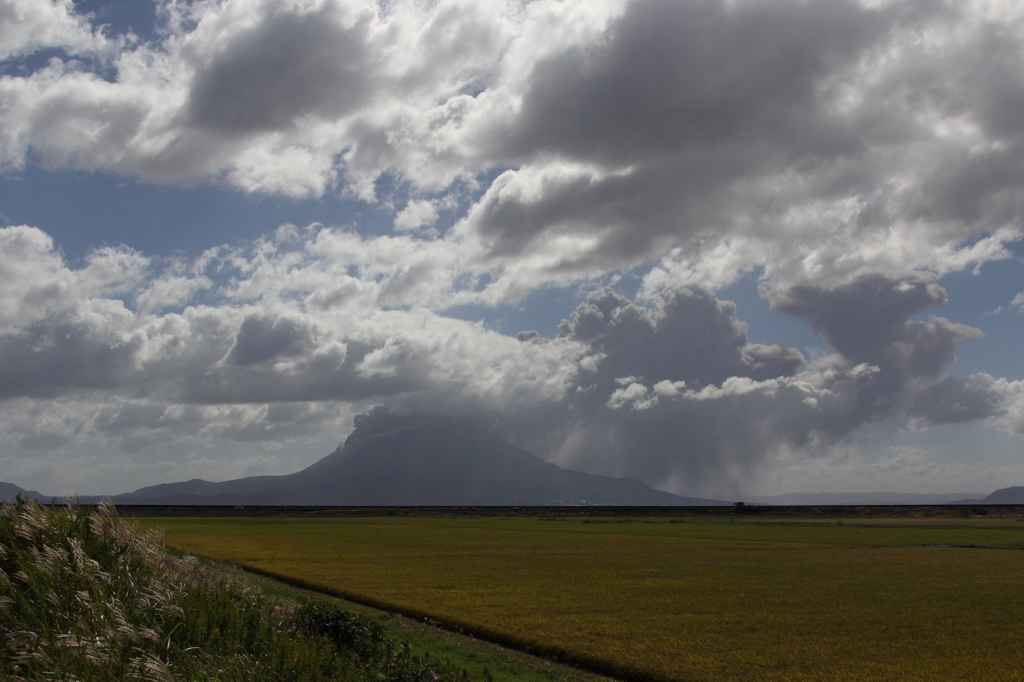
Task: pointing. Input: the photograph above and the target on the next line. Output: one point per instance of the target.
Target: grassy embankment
(681, 601)
(86, 596)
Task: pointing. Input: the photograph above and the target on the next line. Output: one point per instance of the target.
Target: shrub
(743, 508)
(345, 629)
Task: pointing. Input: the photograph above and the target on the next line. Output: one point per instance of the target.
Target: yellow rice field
(676, 601)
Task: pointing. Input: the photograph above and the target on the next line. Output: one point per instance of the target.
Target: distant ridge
(419, 461)
(9, 493)
(1011, 495)
(826, 499)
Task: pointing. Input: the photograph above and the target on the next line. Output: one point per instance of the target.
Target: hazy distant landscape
(421, 460)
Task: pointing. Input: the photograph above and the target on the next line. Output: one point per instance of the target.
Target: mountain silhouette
(391, 460)
(9, 492)
(1011, 495)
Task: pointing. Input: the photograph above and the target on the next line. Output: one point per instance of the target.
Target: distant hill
(419, 461)
(826, 499)
(1011, 495)
(9, 492)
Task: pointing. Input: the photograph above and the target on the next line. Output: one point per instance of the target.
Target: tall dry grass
(87, 596)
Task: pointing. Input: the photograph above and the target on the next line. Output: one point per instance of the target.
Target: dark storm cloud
(630, 415)
(691, 337)
(954, 401)
(862, 319)
(779, 122)
(290, 64)
(678, 397)
(52, 357)
(983, 84)
(692, 96)
(262, 338)
(867, 321)
(674, 75)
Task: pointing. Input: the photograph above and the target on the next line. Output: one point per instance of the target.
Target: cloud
(628, 414)
(820, 143)
(272, 339)
(1017, 302)
(794, 146)
(676, 395)
(692, 336)
(979, 397)
(634, 393)
(292, 99)
(27, 26)
(416, 214)
(866, 321)
(666, 115)
(260, 339)
(286, 64)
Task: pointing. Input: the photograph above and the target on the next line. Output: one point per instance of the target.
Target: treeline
(85, 595)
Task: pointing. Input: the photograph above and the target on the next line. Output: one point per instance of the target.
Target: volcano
(391, 460)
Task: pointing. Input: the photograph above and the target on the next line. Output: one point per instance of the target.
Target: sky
(727, 247)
